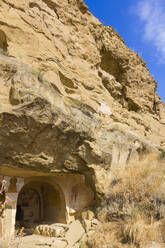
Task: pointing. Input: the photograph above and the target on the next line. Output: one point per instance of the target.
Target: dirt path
(33, 241)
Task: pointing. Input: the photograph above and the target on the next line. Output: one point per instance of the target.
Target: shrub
(133, 212)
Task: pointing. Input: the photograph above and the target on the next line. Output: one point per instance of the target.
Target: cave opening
(39, 202)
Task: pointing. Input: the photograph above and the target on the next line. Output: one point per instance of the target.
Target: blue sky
(141, 23)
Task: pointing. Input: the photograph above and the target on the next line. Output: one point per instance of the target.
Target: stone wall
(43, 200)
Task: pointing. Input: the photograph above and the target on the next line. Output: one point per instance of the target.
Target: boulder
(75, 233)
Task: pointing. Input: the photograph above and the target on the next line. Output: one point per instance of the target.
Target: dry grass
(107, 235)
(134, 210)
(137, 189)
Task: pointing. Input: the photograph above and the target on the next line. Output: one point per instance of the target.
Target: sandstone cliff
(73, 97)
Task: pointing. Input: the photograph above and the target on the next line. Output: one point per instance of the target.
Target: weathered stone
(87, 225)
(51, 230)
(59, 244)
(77, 245)
(90, 233)
(64, 226)
(88, 215)
(91, 215)
(95, 222)
(75, 232)
(59, 231)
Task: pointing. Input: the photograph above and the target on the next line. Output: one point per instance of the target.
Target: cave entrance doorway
(40, 202)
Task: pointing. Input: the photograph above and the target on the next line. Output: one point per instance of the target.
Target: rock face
(73, 97)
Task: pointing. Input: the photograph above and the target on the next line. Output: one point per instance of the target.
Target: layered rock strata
(73, 97)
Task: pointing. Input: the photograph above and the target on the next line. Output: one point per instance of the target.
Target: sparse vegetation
(133, 213)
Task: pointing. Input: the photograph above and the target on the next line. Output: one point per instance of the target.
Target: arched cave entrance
(3, 41)
(40, 202)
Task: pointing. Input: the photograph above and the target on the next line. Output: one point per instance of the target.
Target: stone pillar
(10, 214)
(12, 187)
(20, 184)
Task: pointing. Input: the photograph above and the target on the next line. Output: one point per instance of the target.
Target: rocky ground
(57, 235)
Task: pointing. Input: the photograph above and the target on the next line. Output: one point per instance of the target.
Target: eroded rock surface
(73, 97)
